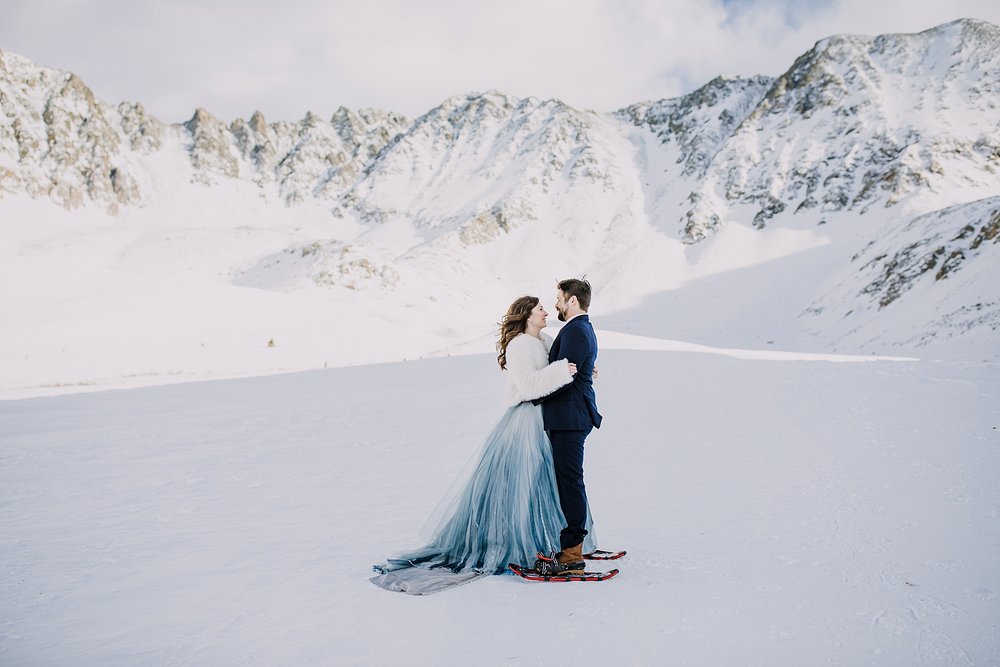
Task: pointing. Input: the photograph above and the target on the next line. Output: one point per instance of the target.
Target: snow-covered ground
(155, 296)
(776, 511)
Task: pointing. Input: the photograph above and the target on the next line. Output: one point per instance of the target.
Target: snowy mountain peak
(846, 86)
(211, 148)
(859, 138)
(257, 123)
(58, 140)
(458, 106)
(16, 68)
(858, 122)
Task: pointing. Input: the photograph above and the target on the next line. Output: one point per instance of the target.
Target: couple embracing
(524, 493)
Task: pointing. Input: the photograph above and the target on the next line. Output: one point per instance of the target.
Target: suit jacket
(573, 407)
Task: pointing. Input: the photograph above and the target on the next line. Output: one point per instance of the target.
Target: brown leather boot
(571, 560)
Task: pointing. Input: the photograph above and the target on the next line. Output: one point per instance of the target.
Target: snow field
(775, 512)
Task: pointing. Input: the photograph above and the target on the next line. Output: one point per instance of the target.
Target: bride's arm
(532, 382)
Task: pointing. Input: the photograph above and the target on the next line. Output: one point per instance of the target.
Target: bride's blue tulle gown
(506, 510)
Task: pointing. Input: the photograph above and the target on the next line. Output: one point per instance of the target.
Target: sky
(288, 58)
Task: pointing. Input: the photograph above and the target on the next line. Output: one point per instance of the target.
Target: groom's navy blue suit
(569, 414)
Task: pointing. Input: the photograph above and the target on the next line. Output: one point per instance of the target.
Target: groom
(570, 414)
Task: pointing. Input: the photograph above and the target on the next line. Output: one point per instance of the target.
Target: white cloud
(287, 58)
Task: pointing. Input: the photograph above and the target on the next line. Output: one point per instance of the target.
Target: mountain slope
(855, 123)
(817, 208)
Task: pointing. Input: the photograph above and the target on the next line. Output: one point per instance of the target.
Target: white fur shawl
(530, 375)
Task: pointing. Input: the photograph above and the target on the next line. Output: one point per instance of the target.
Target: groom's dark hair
(579, 288)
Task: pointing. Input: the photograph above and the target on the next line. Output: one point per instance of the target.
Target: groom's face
(561, 305)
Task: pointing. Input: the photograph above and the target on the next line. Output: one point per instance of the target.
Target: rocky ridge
(854, 123)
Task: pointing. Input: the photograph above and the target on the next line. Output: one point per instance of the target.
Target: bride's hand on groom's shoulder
(572, 367)
(595, 373)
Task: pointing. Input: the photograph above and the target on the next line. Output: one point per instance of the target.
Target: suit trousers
(567, 458)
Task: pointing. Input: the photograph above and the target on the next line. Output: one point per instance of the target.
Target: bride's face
(538, 316)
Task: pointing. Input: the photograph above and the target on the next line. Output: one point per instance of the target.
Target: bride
(507, 507)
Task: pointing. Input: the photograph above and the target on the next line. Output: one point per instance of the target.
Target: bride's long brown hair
(513, 324)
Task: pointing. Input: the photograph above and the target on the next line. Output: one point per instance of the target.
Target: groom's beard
(561, 315)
